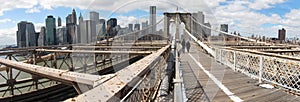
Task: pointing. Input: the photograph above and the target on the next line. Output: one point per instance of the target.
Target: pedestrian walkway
(207, 80)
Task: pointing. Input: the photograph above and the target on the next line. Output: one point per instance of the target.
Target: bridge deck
(200, 87)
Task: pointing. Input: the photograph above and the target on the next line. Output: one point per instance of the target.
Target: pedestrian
(188, 46)
(183, 45)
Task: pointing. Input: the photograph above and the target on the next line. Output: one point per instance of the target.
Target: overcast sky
(263, 17)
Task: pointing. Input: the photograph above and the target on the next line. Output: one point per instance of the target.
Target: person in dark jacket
(183, 45)
(188, 46)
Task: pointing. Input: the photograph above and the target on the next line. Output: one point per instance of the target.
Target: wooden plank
(238, 83)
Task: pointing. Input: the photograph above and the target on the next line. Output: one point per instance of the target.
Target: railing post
(11, 81)
(220, 55)
(260, 69)
(234, 60)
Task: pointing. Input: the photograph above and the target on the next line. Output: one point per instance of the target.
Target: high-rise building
(224, 28)
(41, 39)
(71, 28)
(281, 35)
(198, 21)
(130, 27)
(69, 19)
(50, 31)
(26, 35)
(137, 27)
(82, 30)
(111, 27)
(91, 31)
(145, 27)
(21, 34)
(74, 18)
(101, 29)
(153, 19)
(58, 21)
(94, 16)
(207, 32)
(62, 37)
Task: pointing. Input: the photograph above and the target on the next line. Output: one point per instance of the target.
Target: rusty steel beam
(64, 76)
(110, 88)
(49, 56)
(8, 52)
(97, 52)
(120, 47)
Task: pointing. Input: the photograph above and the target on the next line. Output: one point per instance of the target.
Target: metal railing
(280, 71)
(277, 69)
(139, 81)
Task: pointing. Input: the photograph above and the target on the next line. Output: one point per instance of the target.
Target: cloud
(5, 20)
(33, 10)
(8, 36)
(14, 4)
(264, 4)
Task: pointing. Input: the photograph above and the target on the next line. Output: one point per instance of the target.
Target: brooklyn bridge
(154, 67)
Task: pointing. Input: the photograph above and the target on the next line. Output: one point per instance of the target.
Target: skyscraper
(224, 28)
(207, 32)
(74, 18)
(82, 30)
(62, 37)
(41, 39)
(111, 24)
(101, 29)
(198, 22)
(130, 27)
(69, 19)
(50, 31)
(26, 35)
(137, 27)
(71, 28)
(58, 21)
(281, 35)
(145, 27)
(94, 16)
(153, 19)
(91, 31)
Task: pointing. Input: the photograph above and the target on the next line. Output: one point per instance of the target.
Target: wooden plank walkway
(200, 87)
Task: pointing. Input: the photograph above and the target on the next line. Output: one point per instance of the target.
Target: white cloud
(8, 36)
(264, 4)
(5, 20)
(33, 10)
(14, 4)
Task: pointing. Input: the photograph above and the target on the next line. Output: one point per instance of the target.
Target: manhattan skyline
(248, 16)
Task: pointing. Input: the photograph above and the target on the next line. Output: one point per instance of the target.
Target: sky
(259, 17)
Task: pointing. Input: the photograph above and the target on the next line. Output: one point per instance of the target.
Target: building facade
(152, 19)
(50, 37)
(281, 35)
(198, 22)
(26, 35)
(41, 38)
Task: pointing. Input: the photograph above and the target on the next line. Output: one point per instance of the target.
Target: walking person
(188, 46)
(183, 45)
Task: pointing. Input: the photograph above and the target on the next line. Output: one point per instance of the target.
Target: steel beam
(109, 89)
(97, 52)
(56, 74)
(120, 47)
